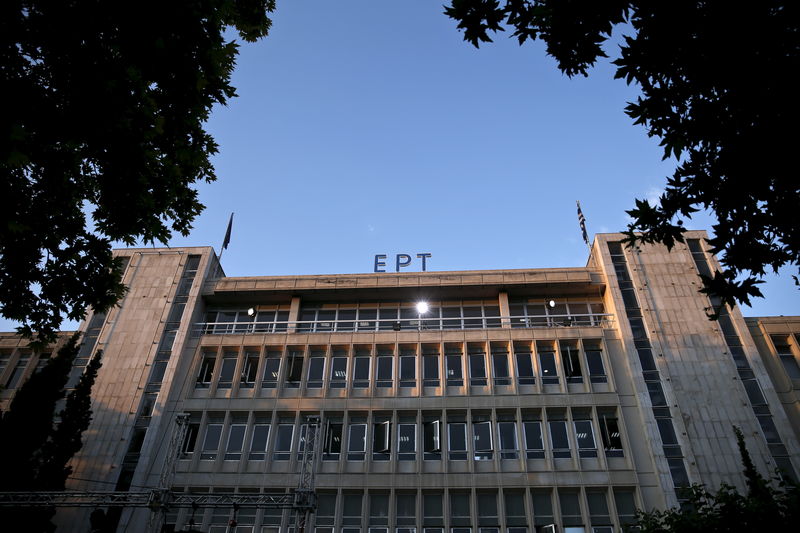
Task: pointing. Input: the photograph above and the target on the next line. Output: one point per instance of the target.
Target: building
(557, 399)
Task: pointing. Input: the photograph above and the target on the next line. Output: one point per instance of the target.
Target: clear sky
(366, 127)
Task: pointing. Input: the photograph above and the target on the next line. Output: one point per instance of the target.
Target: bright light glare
(251, 312)
(422, 307)
(551, 303)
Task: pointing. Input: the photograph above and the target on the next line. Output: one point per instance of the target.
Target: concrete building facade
(519, 401)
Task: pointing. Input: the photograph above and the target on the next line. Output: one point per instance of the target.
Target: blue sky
(366, 127)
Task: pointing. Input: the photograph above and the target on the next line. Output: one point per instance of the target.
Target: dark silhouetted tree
(103, 137)
(763, 508)
(717, 88)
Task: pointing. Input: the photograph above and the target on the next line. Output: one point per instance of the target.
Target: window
(430, 369)
(460, 509)
(432, 510)
(339, 372)
(408, 370)
(570, 509)
(786, 356)
(381, 440)
(190, 439)
(406, 510)
(378, 510)
(585, 437)
(508, 440)
(272, 366)
(332, 446)
(351, 509)
(227, 370)
(206, 371)
(598, 508)
(626, 506)
(407, 442)
(356, 442)
(361, 372)
(432, 439)
(366, 319)
(500, 368)
(534, 444)
(542, 508)
(326, 510)
(258, 443)
(211, 441)
(316, 370)
(384, 375)
(525, 374)
(609, 432)
(283, 442)
(477, 369)
(482, 440)
(16, 373)
(594, 362)
(547, 362)
(457, 441)
(515, 509)
(250, 370)
(572, 362)
(233, 450)
(455, 376)
(559, 439)
(487, 511)
(295, 373)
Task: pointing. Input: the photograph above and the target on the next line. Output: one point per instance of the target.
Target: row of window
(394, 316)
(783, 349)
(574, 510)
(14, 377)
(384, 437)
(337, 369)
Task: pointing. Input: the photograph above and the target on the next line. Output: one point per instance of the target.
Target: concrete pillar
(504, 310)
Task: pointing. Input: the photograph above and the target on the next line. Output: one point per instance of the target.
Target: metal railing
(404, 324)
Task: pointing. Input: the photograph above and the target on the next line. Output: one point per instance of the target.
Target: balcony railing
(414, 324)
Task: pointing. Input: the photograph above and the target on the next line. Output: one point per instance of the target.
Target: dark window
(295, 373)
(534, 444)
(333, 441)
(271, 368)
(190, 439)
(233, 450)
(226, 371)
(408, 371)
(384, 377)
(457, 441)
(572, 363)
(211, 441)
(283, 442)
(407, 441)
(507, 432)
(356, 442)
(381, 440)
(482, 440)
(432, 438)
(206, 371)
(547, 360)
(559, 438)
(455, 377)
(500, 368)
(612, 440)
(361, 373)
(250, 370)
(525, 374)
(584, 434)
(258, 444)
(316, 371)
(339, 372)
(430, 370)
(477, 369)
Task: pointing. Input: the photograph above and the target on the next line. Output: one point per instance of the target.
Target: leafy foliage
(103, 139)
(717, 88)
(726, 511)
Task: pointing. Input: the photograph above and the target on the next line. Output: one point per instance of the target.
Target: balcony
(403, 324)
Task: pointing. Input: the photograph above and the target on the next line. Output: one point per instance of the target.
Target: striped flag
(582, 222)
(227, 240)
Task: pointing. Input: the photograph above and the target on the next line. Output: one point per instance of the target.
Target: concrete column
(294, 312)
(504, 310)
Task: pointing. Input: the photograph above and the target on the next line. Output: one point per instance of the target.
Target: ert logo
(400, 261)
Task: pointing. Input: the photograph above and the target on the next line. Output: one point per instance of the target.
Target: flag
(582, 222)
(226, 241)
